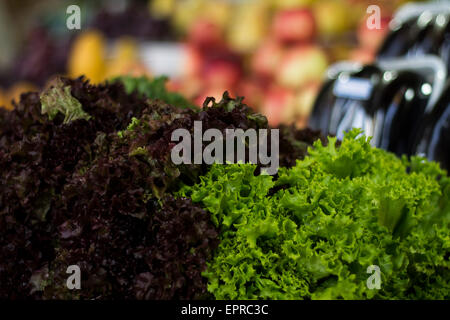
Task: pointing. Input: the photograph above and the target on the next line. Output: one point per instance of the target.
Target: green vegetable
(314, 231)
(99, 194)
(58, 98)
(154, 89)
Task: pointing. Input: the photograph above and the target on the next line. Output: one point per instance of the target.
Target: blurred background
(273, 52)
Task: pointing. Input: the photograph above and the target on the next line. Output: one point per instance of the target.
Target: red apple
(300, 108)
(294, 25)
(252, 92)
(204, 33)
(267, 58)
(191, 86)
(174, 85)
(221, 73)
(372, 38)
(302, 64)
(276, 101)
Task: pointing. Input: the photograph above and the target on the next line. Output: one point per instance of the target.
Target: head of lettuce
(318, 229)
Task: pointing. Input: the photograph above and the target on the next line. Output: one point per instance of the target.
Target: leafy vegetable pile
(313, 232)
(37, 156)
(87, 179)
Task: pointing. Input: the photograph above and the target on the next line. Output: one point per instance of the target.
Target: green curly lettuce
(154, 89)
(313, 232)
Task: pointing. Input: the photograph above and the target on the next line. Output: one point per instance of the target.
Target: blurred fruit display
(135, 20)
(107, 46)
(273, 52)
(332, 17)
(284, 49)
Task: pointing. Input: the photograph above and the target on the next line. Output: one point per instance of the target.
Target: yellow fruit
(248, 27)
(186, 12)
(305, 99)
(218, 12)
(332, 17)
(339, 52)
(15, 91)
(162, 8)
(87, 57)
(2, 99)
(125, 57)
(126, 49)
(300, 106)
(356, 11)
(132, 68)
(288, 4)
(301, 65)
(250, 39)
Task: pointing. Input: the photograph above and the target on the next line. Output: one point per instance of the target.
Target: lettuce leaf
(312, 233)
(58, 99)
(154, 89)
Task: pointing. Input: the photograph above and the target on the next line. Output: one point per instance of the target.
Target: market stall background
(274, 53)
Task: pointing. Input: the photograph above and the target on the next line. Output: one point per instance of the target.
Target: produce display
(281, 58)
(313, 231)
(273, 52)
(87, 179)
(210, 151)
(75, 135)
(50, 50)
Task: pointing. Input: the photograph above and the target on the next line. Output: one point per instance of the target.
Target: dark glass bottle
(401, 104)
(419, 36)
(433, 136)
(386, 105)
(400, 40)
(321, 115)
(425, 39)
(444, 45)
(344, 102)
